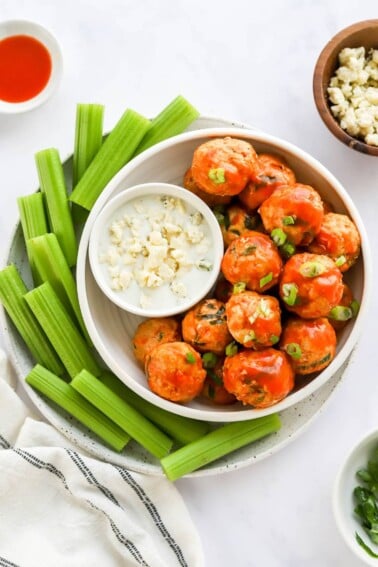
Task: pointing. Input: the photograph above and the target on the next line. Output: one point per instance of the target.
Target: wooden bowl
(361, 34)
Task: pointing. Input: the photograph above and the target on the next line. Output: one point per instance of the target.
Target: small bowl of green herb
(355, 499)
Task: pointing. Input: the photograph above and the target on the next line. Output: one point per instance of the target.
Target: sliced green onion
(204, 264)
(364, 546)
(278, 236)
(355, 307)
(340, 261)
(67, 398)
(341, 313)
(209, 360)
(290, 292)
(231, 349)
(249, 250)
(293, 350)
(51, 265)
(312, 269)
(218, 443)
(274, 339)
(215, 378)
(239, 287)
(61, 330)
(190, 358)
(53, 187)
(88, 137)
(288, 249)
(33, 222)
(217, 175)
(114, 153)
(12, 291)
(250, 336)
(123, 414)
(182, 429)
(287, 221)
(172, 120)
(266, 279)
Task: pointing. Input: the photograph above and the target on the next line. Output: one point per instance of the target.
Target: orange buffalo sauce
(25, 68)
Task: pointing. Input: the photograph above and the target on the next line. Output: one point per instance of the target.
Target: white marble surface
(251, 62)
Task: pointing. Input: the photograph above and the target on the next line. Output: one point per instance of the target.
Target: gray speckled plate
(294, 420)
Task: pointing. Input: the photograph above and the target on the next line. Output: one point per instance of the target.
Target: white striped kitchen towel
(62, 508)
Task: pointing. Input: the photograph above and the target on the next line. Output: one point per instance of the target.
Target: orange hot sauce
(25, 68)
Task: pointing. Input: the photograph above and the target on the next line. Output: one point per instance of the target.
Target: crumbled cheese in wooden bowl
(353, 93)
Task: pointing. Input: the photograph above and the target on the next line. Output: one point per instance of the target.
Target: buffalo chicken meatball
(175, 372)
(272, 174)
(295, 211)
(205, 326)
(253, 260)
(311, 344)
(208, 198)
(223, 166)
(254, 320)
(235, 221)
(154, 332)
(339, 238)
(258, 378)
(311, 285)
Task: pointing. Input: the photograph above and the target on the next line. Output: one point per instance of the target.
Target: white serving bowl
(162, 302)
(112, 329)
(24, 27)
(343, 504)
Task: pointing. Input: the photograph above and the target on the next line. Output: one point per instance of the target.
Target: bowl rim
(147, 189)
(12, 27)
(362, 442)
(319, 85)
(293, 398)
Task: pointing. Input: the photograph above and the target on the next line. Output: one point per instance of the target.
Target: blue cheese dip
(157, 251)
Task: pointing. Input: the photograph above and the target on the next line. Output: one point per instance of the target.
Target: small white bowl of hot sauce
(31, 65)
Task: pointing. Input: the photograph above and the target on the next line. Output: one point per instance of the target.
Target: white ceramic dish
(111, 329)
(25, 27)
(343, 504)
(295, 420)
(162, 301)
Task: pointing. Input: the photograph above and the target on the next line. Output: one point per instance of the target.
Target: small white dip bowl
(135, 266)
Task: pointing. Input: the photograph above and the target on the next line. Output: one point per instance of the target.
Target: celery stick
(124, 415)
(181, 429)
(52, 183)
(172, 120)
(12, 291)
(88, 137)
(218, 443)
(33, 222)
(32, 215)
(61, 330)
(67, 398)
(51, 265)
(114, 153)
